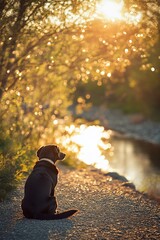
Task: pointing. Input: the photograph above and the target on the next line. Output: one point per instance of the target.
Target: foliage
(13, 161)
(121, 63)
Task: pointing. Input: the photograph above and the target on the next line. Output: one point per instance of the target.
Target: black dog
(39, 201)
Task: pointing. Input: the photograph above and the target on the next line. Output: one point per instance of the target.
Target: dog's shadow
(37, 229)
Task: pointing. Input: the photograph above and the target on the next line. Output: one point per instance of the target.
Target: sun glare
(110, 9)
(92, 140)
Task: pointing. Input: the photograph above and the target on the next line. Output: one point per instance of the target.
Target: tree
(34, 68)
(35, 21)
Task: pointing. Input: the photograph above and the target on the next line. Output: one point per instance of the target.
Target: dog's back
(36, 194)
(36, 203)
(39, 201)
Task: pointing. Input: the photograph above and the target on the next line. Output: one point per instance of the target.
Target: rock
(129, 184)
(116, 176)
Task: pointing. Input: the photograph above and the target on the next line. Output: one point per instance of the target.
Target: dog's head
(51, 152)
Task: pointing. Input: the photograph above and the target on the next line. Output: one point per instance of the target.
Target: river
(137, 160)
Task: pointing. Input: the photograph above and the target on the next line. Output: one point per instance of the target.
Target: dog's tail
(57, 216)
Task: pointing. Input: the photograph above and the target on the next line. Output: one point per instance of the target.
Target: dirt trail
(107, 210)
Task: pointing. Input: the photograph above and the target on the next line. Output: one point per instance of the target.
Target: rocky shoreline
(133, 125)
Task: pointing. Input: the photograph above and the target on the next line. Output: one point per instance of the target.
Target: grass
(7, 182)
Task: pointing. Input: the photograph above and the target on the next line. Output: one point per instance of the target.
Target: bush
(15, 160)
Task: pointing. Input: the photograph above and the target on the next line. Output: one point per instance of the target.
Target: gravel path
(107, 210)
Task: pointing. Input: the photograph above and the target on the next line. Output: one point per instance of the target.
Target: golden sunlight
(88, 142)
(113, 10)
(110, 9)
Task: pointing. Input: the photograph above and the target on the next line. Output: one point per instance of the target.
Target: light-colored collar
(47, 160)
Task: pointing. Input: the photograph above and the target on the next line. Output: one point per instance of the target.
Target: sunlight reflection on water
(108, 151)
(90, 142)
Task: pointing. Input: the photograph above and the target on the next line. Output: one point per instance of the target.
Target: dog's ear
(60, 155)
(39, 150)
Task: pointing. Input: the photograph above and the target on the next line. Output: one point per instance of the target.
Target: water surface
(139, 161)
(107, 150)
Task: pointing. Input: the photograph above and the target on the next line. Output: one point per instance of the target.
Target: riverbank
(133, 125)
(107, 210)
